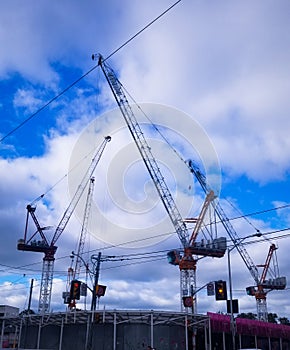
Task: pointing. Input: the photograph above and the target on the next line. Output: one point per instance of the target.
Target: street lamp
(235, 242)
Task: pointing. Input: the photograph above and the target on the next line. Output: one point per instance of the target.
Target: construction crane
(258, 291)
(82, 239)
(214, 247)
(73, 272)
(187, 270)
(264, 285)
(48, 247)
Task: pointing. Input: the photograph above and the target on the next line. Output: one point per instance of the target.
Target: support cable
(86, 74)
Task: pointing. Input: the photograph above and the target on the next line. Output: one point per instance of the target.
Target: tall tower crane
(29, 243)
(258, 291)
(264, 285)
(187, 269)
(73, 273)
(82, 239)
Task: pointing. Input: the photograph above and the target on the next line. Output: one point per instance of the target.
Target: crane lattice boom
(226, 223)
(145, 151)
(82, 238)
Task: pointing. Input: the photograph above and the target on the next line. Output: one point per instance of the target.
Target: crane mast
(49, 249)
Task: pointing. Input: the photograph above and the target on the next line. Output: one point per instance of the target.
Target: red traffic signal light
(75, 290)
(220, 290)
(187, 301)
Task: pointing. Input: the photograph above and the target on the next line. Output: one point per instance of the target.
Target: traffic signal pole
(96, 280)
(233, 326)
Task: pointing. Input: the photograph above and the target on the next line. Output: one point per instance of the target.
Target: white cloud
(227, 65)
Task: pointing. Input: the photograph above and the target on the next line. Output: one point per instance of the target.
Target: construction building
(136, 329)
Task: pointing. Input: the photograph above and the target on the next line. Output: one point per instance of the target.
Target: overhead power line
(137, 256)
(87, 73)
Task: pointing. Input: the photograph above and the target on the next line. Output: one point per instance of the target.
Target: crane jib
(145, 151)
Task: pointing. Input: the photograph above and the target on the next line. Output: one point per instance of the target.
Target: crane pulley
(49, 248)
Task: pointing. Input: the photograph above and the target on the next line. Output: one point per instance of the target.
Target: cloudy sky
(214, 77)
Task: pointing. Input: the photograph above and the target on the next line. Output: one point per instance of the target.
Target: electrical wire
(261, 212)
(87, 73)
(10, 269)
(138, 260)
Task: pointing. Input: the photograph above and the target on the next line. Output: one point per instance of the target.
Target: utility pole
(30, 295)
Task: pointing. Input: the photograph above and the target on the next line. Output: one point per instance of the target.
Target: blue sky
(225, 65)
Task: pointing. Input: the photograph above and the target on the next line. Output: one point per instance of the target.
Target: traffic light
(187, 301)
(100, 290)
(220, 290)
(75, 290)
(210, 288)
(173, 257)
(251, 291)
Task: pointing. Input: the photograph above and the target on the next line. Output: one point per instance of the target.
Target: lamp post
(232, 323)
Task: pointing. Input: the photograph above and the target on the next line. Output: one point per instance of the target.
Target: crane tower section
(32, 243)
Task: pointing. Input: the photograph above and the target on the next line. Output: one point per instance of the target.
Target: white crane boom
(145, 151)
